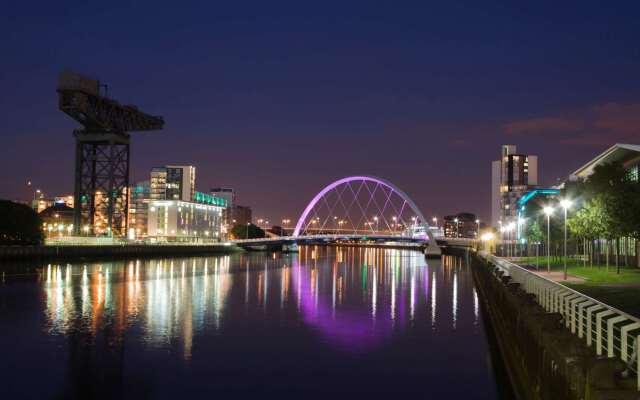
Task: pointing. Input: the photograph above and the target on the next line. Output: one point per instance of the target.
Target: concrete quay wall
(544, 359)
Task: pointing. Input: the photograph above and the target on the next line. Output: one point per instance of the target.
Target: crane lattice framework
(102, 153)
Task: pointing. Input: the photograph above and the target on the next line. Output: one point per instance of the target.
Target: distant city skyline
(278, 101)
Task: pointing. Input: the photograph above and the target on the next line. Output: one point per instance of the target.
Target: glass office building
(175, 220)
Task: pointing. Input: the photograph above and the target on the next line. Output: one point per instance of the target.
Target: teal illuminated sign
(205, 198)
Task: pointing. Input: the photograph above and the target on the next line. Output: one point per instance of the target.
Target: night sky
(278, 99)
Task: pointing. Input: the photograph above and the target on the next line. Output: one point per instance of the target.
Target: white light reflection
(374, 294)
(433, 299)
(455, 298)
(476, 306)
(412, 304)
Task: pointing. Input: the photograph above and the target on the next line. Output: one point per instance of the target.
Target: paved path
(556, 276)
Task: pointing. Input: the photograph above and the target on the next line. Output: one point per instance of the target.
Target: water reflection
(166, 301)
(353, 297)
(381, 320)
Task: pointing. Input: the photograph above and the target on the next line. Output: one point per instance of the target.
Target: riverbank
(544, 358)
(116, 251)
(618, 287)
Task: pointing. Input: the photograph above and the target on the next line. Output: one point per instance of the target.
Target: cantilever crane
(102, 153)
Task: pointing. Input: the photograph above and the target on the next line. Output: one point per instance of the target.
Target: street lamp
(520, 222)
(456, 220)
(510, 228)
(376, 221)
(247, 234)
(478, 228)
(548, 211)
(486, 238)
(566, 204)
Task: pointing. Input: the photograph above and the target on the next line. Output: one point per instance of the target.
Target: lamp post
(521, 222)
(566, 204)
(477, 228)
(435, 221)
(394, 227)
(375, 219)
(456, 220)
(487, 238)
(502, 231)
(548, 211)
(510, 228)
(247, 233)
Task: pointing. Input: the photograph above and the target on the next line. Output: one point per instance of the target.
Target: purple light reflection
(346, 330)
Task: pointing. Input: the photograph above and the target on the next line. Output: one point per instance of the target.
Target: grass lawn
(621, 291)
(596, 275)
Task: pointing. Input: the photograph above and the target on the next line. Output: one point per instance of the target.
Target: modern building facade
(173, 182)
(461, 225)
(41, 201)
(628, 155)
(511, 177)
(226, 193)
(139, 207)
(176, 220)
(57, 220)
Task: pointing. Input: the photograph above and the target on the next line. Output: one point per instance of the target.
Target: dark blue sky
(279, 98)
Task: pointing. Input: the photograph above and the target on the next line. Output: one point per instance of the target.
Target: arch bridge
(359, 209)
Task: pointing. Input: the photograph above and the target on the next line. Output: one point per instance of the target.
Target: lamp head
(566, 203)
(486, 237)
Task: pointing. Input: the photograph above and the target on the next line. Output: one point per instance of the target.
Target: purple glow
(347, 330)
(342, 181)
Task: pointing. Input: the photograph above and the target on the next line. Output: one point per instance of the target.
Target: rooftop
(619, 152)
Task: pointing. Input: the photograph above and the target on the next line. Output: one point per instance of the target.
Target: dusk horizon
(264, 98)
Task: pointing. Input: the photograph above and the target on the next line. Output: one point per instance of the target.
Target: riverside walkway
(608, 331)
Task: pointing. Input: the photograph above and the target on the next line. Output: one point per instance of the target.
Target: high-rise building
(511, 177)
(139, 207)
(173, 182)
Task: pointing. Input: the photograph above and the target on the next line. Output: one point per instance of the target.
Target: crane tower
(101, 181)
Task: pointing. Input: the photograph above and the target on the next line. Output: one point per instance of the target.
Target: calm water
(324, 323)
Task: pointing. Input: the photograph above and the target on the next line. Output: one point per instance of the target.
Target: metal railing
(330, 236)
(609, 331)
(148, 241)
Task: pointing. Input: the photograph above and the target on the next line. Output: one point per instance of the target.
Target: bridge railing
(322, 236)
(609, 331)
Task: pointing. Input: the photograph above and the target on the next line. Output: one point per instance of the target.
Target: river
(327, 322)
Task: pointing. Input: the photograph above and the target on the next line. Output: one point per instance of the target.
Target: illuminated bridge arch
(363, 205)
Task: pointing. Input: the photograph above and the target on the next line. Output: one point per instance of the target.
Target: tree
(534, 233)
(591, 221)
(19, 224)
(250, 231)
